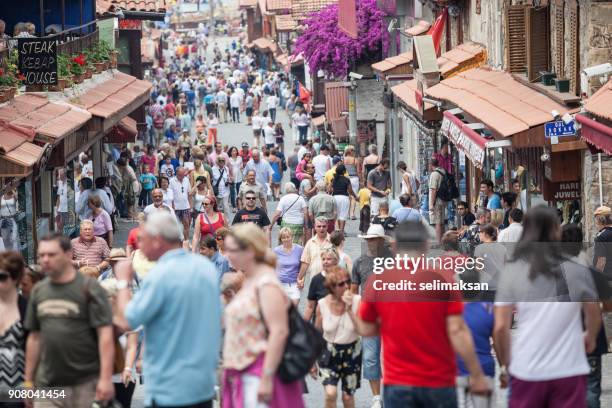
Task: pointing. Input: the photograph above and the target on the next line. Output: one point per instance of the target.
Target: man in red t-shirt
(421, 330)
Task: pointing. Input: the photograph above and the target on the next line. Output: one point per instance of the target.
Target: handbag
(279, 221)
(303, 346)
(216, 185)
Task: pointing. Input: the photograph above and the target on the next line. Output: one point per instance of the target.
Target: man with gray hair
(181, 296)
(158, 203)
(323, 205)
(263, 170)
(293, 213)
(89, 250)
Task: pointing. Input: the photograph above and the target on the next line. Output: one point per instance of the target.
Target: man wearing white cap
(376, 241)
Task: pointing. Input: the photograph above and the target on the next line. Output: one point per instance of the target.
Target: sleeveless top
(351, 169)
(369, 168)
(209, 228)
(198, 200)
(338, 329)
(246, 335)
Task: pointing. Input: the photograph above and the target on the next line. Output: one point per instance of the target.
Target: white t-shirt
(511, 234)
(257, 122)
(272, 102)
(269, 136)
(235, 100)
(302, 151)
(300, 119)
(292, 214)
(216, 173)
(181, 193)
(168, 197)
(62, 194)
(149, 209)
(321, 164)
(236, 165)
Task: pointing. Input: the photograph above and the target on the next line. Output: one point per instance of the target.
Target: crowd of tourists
(202, 304)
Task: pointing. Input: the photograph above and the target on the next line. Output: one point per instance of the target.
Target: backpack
(448, 188)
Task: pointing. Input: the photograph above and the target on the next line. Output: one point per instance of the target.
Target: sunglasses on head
(342, 283)
(4, 277)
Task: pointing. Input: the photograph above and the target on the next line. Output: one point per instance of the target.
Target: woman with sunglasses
(12, 314)
(256, 327)
(198, 193)
(208, 222)
(342, 359)
(317, 289)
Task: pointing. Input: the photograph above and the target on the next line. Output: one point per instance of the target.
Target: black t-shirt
(256, 216)
(388, 223)
(340, 185)
(603, 249)
(317, 291)
(469, 218)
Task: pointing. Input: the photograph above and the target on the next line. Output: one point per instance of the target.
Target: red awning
(465, 138)
(596, 133)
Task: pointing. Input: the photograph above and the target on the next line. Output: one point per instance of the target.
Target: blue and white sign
(559, 128)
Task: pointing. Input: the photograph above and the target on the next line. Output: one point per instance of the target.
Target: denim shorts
(398, 396)
(371, 358)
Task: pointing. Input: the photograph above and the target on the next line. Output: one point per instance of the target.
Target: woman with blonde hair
(257, 325)
(497, 217)
(353, 167)
(337, 320)
(288, 255)
(330, 258)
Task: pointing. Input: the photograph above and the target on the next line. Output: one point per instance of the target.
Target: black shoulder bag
(303, 347)
(216, 185)
(280, 219)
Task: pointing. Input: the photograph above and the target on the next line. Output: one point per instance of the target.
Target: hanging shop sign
(564, 191)
(130, 24)
(466, 139)
(38, 60)
(559, 128)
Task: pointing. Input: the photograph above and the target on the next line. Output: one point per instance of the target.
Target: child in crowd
(148, 182)
(364, 209)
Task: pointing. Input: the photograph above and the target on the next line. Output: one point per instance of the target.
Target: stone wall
(590, 189)
(369, 97)
(595, 35)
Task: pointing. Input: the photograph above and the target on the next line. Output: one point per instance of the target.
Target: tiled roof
(112, 6)
(16, 146)
(278, 5)
(600, 103)
(301, 9)
(392, 62)
(285, 22)
(264, 44)
(419, 28)
(52, 120)
(496, 99)
(406, 92)
(466, 55)
(111, 96)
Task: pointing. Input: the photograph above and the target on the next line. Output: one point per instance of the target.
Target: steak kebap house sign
(38, 60)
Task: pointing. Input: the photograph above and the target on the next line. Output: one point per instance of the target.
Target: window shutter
(559, 46)
(538, 43)
(572, 28)
(516, 54)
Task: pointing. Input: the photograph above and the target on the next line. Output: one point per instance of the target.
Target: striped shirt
(91, 253)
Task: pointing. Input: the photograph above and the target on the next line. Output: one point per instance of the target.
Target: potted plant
(8, 85)
(104, 53)
(63, 73)
(562, 84)
(77, 67)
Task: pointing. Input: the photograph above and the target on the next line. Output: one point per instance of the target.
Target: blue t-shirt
(494, 202)
(288, 265)
(148, 181)
(221, 264)
(170, 135)
(179, 306)
(209, 99)
(190, 94)
(406, 214)
(479, 318)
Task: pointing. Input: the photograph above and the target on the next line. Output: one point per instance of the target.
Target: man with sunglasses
(250, 184)
(158, 203)
(252, 213)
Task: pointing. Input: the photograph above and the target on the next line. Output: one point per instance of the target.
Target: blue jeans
(371, 358)
(594, 382)
(234, 188)
(303, 131)
(405, 396)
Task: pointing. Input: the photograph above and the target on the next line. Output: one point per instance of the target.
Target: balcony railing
(77, 39)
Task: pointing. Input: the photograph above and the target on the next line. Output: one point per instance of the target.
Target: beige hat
(374, 231)
(603, 210)
(117, 254)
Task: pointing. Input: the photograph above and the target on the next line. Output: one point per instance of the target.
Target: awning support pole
(600, 180)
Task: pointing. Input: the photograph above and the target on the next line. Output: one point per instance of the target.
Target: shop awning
(464, 138)
(496, 99)
(406, 92)
(318, 121)
(18, 154)
(264, 44)
(419, 28)
(400, 64)
(114, 99)
(336, 100)
(243, 4)
(596, 133)
(49, 121)
(124, 132)
(278, 5)
(151, 9)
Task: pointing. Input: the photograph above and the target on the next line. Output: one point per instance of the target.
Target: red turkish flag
(304, 94)
(437, 29)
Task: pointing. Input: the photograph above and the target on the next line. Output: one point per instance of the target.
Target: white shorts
(342, 205)
(375, 203)
(291, 290)
(355, 183)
